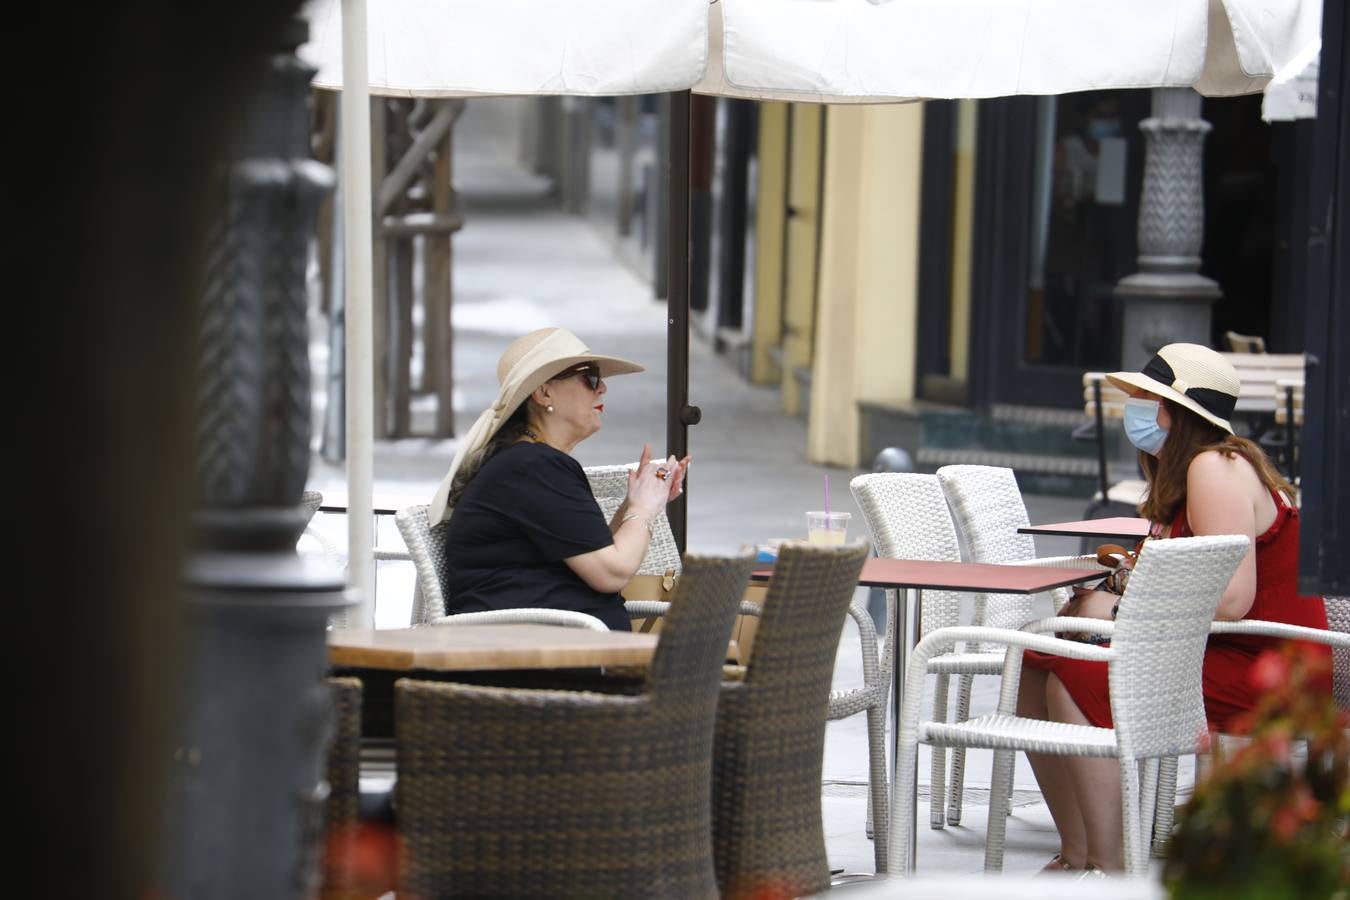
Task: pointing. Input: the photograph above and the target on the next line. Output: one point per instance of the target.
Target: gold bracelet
(651, 529)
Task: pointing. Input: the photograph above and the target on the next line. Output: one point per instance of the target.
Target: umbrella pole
(357, 242)
(679, 414)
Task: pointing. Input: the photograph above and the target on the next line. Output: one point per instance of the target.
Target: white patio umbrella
(837, 51)
(828, 50)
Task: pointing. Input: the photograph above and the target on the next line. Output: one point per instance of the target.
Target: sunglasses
(589, 372)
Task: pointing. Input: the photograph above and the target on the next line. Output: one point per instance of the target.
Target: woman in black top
(526, 530)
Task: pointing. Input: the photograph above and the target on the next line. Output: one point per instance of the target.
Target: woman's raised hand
(670, 471)
(648, 490)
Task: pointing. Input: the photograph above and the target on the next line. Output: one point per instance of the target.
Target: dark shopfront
(1057, 183)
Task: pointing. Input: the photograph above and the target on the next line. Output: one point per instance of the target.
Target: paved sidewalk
(520, 265)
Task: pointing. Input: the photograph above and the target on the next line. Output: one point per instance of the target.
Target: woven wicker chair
(767, 829)
(1155, 659)
(987, 506)
(341, 810)
(532, 793)
(344, 752)
(609, 484)
(1336, 636)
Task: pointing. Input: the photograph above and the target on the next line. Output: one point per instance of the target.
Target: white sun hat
(528, 362)
(1190, 375)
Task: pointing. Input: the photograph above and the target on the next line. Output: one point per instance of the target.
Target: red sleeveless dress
(1229, 658)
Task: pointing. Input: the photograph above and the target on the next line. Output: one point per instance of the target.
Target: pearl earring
(549, 408)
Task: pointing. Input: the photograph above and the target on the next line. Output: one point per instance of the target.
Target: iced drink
(827, 528)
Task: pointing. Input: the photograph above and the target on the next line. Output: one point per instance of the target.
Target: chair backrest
(1288, 399)
(803, 615)
(1259, 373)
(609, 484)
(1338, 619)
(987, 506)
(426, 546)
(1112, 398)
(608, 481)
(1161, 630)
(1244, 343)
(907, 518)
(770, 741)
(344, 754)
(696, 629)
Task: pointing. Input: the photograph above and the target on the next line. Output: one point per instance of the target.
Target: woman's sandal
(1092, 873)
(1057, 866)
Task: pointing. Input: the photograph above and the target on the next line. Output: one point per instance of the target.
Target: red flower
(1271, 671)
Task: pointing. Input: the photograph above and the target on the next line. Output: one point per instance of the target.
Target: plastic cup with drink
(826, 527)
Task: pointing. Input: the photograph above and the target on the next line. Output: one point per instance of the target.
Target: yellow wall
(963, 217)
(770, 225)
(866, 307)
(801, 274)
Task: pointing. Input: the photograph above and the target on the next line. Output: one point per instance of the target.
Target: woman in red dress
(1202, 479)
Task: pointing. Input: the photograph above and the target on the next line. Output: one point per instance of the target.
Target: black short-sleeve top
(529, 508)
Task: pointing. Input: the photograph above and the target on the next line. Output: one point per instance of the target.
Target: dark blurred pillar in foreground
(246, 794)
(118, 114)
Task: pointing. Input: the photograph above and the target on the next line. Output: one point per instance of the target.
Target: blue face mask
(1141, 425)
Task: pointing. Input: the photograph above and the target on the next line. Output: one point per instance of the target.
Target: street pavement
(520, 264)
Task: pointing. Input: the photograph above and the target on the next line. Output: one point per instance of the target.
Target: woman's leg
(1096, 785)
(1052, 775)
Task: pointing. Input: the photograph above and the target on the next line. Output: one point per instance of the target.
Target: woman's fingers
(677, 478)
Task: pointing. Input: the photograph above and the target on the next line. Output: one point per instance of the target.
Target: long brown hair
(1189, 436)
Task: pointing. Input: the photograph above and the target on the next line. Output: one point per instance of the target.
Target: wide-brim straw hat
(1192, 376)
(528, 362)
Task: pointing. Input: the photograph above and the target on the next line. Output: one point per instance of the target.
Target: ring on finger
(662, 473)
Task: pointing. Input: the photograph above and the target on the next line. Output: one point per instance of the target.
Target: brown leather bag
(650, 587)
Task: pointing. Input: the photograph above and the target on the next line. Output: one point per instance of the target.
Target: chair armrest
(1086, 561)
(648, 609)
(1281, 630)
(524, 615)
(381, 553)
(867, 641)
(936, 641)
(1071, 623)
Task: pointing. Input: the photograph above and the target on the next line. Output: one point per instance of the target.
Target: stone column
(1168, 299)
(246, 792)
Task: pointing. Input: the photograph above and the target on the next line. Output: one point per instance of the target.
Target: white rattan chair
(907, 518)
(1155, 659)
(1336, 636)
(987, 506)
(609, 484)
(310, 501)
(426, 549)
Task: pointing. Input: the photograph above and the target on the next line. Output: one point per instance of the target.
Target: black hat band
(1215, 402)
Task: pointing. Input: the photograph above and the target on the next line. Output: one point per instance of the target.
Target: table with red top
(917, 576)
(1129, 527)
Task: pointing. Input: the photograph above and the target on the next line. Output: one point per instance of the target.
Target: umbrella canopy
(827, 50)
